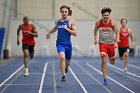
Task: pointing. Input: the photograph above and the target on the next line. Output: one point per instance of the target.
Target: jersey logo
(105, 29)
(124, 34)
(62, 26)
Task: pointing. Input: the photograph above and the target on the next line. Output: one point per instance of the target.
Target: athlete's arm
(34, 32)
(96, 32)
(132, 37)
(18, 34)
(116, 30)
(73, 29)
(52, 31)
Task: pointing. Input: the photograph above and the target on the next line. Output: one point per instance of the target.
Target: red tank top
(27, 38)
(124, 38)
(106, 32)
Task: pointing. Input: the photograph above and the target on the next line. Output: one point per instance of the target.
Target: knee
(31, 56)
(112, 61)
(62, 58)
(126, 54)
(25, 56)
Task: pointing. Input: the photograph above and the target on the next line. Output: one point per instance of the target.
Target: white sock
(26, 70)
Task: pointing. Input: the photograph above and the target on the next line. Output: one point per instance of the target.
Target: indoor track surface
(84, 76)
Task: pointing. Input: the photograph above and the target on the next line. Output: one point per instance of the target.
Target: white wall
(83, 40)
(82, 9)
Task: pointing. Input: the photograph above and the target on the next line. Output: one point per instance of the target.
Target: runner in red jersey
(106, 27)
(123, 45)
(28, 41)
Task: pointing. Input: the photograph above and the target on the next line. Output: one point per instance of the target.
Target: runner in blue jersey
(66, 27)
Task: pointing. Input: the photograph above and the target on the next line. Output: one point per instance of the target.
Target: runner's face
(64, 13)
(123, 23)
(26, 20)
(106, 16)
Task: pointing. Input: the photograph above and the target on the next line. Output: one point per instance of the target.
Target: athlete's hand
(134, 44)
(95, 41)
(116, 45)
(48, 35)
(28, 32)
(18, 42)
(65, 27)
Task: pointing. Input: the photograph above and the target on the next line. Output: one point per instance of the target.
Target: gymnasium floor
(84, 76)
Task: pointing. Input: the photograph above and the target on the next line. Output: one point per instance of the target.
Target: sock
(26, 70)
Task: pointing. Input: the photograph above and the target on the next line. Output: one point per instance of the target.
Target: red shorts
(107, 49)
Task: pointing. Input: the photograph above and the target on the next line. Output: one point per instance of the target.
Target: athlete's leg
(120, 50)
(62, 65)
(26, 54)
(111, 53)
(68, 55)
(61, 52)
(31, 51)
(125, 61)
(112, 60)
(67, 65)
(104, 67)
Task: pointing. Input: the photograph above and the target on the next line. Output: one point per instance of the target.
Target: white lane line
(123, 71)
(11, 81)
(11, 76)
(94, 78)
(110, 78)
(43, 77)
(21, 84)
(137, 67)
(124, 74)
(54, 78)
(85, 91)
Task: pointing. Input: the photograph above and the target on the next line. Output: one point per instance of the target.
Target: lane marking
(43, 77)
(110, 78)
(21, 67)
(126, 75)
(85, 91)
(94, 78)
(54, 78)
(123, 71)
(21, 84)
(130, 65)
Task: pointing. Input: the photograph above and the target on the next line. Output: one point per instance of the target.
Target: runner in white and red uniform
(28, 42)
(106, 28)
(123, 45)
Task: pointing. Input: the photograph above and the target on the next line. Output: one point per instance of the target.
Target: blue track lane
(84, 76)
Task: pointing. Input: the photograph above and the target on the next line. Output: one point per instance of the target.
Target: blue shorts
(67, 49)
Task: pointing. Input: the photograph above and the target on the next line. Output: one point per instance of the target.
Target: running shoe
(105, 81)
(26, 74)
(66, 69)
(63, 79)
(125, 69)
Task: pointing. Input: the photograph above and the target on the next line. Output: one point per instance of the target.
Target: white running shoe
(125, 69)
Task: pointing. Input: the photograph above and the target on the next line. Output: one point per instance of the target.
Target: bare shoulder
(113, 22)
(19, 27)
(97, 22)
(130, 30)
(33, 25)
(72, 20)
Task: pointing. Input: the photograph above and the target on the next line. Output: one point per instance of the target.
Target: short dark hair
(123, 19)
(25, 17)
(67, 7)
(105, 9)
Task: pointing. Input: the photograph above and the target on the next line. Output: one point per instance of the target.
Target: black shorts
(123, 50)
(29, 47)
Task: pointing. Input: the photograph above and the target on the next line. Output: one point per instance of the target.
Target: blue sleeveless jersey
(63, 36)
